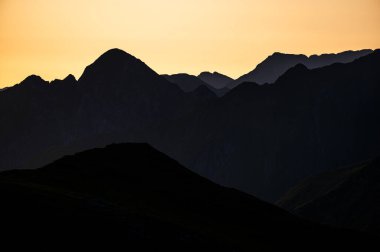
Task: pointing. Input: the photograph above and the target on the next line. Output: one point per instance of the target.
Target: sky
(53, 38)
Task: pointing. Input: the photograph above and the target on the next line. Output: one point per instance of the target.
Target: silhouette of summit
(113, 66)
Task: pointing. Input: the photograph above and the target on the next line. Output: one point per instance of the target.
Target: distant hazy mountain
(347, 198)
(215, 79)
(277, 64)
(134, 195)
(264, 139)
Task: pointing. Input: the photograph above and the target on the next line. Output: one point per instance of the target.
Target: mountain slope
(347, 198)
(151, 198)
(277, 64)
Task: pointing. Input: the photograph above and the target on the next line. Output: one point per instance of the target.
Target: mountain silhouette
(263, 139)
(347, 197)
(137, 196)
(215, 79)
(258, 139)
(117, 99)
(278, 63)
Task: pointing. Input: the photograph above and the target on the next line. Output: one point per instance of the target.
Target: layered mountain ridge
(259, 139)
(277, 64)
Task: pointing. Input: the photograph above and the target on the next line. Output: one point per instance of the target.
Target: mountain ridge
(269, 70)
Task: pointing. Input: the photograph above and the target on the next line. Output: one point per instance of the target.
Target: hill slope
(155, 202)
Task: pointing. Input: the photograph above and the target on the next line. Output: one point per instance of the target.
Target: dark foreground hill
(132, 195)
(347, 198)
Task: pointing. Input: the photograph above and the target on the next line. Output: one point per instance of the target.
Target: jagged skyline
(55, 38)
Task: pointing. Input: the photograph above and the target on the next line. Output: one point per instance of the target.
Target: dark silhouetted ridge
(68, 81)
(144, 198)
(278, 63)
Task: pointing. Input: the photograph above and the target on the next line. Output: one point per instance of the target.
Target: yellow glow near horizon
(53, 38)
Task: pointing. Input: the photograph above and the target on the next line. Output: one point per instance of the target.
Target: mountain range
(130, 196)
(267, 71)
(261, 139)
(277, 64)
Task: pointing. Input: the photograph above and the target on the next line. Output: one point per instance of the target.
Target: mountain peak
(115, 65)
(33, 78)
(114, 53)
(115, 56)
(70, 78)
(68, 81)
(33, 81)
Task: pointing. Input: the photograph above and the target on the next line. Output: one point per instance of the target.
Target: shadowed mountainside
(136, 196)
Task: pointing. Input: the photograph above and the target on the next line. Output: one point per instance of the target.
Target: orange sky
(53, 38)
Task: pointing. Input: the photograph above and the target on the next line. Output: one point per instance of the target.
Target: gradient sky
(53, 38)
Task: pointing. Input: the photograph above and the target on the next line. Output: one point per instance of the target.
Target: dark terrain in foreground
(132, 195)
(348, 198)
